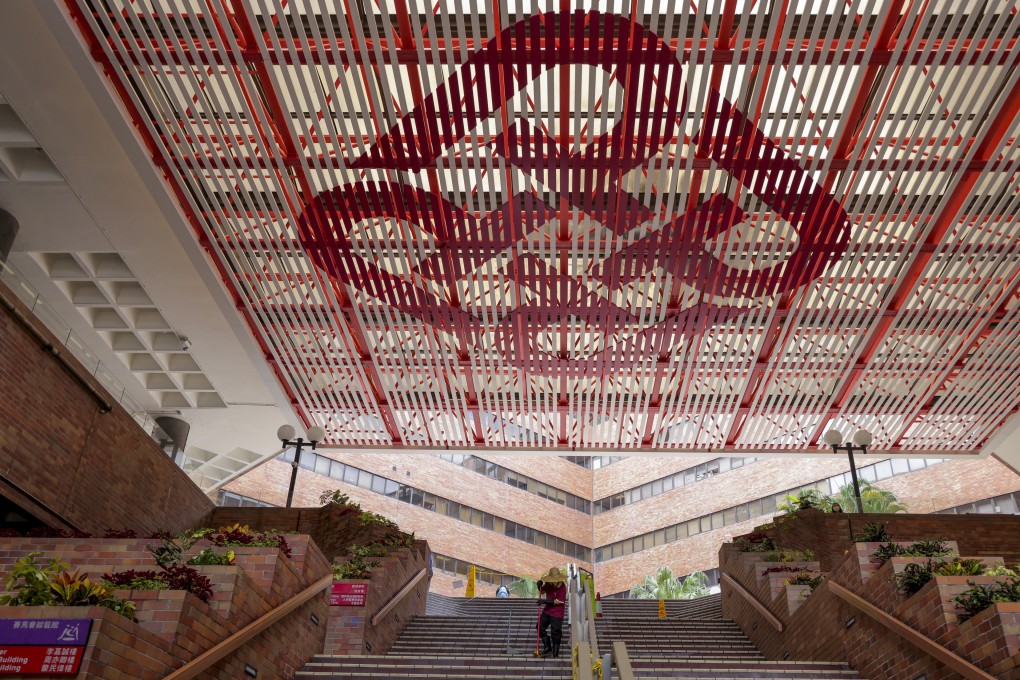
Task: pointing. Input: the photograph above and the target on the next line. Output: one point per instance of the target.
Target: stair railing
(395, 600)
(583, 637)
(206, 660)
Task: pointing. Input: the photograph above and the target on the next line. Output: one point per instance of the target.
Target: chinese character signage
(32, 646)
(348, 595)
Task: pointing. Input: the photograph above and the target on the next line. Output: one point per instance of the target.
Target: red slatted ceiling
(722, 226)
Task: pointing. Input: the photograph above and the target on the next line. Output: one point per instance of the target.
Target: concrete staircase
(470, 640)
(694, 641)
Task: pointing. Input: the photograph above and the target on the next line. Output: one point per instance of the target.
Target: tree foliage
(524, 587)
(664, 586)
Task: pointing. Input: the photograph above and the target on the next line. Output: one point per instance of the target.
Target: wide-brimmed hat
(554, 575)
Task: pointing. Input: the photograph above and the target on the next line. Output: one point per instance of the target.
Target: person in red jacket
(552, 589)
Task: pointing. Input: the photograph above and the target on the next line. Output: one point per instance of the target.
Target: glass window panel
(307, 461)
(626, 547)
(336, 470)
(657, 487)
(453, 509)
(659, 537)
(717, 520)
(900, 466)
(392, 488)
(883, 470)
(365, 480)
(430, 501)
(689, 477)
(351, 475)
(322, 465)
(442, 505)
(477, 517)
(598, 554)
(681, 530)
(465, 513)
(730, 516)
(916, 463)
(510, 529)
(868, 473)
(378, 484)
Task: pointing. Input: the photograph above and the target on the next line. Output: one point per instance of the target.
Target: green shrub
(980, 597)
(958, 567)
(208, 557)
(756, 542)
(805, 578)
(787, 555)
(915, 576)
(1001, 570)
(935, 547)
(337, 497)
(29, 581)
(873, 532)
(375, 519)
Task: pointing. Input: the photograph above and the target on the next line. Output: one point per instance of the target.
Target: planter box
(865, 551)
(992, 639)
(795, 596)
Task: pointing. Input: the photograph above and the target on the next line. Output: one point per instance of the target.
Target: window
(378, 484)
(430, 501)
(322, 465)
(883, 470)
(351, 475)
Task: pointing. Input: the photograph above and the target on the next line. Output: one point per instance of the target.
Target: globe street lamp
(285, 434)
(861, 441)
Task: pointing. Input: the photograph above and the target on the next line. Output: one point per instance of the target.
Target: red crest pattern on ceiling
(719, 226)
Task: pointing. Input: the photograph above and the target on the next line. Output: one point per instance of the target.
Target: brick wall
(173, 626)
(61, 458)
(959, 481)
(446, 536)
(826, 628)
(434, 475)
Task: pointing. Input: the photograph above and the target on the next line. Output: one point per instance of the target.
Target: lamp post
(285, 434)
(861, 440)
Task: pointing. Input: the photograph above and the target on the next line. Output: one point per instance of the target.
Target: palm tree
(524, 587)
(665, 586)
(875, 500)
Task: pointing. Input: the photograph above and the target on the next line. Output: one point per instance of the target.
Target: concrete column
(8, 230)
(177, 435)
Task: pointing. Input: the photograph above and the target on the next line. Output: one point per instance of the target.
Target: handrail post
(622, 660)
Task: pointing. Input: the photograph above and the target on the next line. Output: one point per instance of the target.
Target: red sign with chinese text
(33, 660)
(348, 595)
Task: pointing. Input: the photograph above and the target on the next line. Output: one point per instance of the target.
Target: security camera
(185, 344)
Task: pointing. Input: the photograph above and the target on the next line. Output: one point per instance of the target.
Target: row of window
(746, 511)
(433, 503)
(228, 499)
(1006, 504)
(593, 462)
(670, 482)
(455, 567)
(519, 481)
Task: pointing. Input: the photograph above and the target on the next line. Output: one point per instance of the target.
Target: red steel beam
(750, 53)
(885, 38)
(942, 224)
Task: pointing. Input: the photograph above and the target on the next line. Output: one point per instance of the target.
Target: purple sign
(73, 632)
